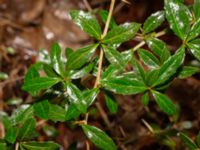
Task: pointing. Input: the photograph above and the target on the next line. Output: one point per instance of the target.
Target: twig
(17, 146)
(87, 5)
(148, 126)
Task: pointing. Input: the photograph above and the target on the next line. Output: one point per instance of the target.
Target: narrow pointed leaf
(56, 113)
(187, 71)
(198, 139)
(49, 71)
(170, 66)
(72, 112)
(196, 8)
(195, 30)
(56, 59)
(104, 15)
(194, 47)
(99, 138)
(81, 56)
(3, 146)
(123, 85)
(90, 95)
(178, 17)
(87, 22)
(154, 21)
(148, 58)
(165, 104)
(40, 145)
(41, 109)
(159, 48)
(187, 141)
(138, 69)
(151, 76)
(145, 99)
(11, 134)
(39, 83)
(111, 104)
(121, 33)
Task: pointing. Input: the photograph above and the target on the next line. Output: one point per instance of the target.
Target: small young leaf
(138, 70)
(187, 141)
(56, 59)
(3, 76)
(72, 112)
(27, 129)
(76, 97)
(195, 30)
(39, 83)
(196, 8)
(170, 66)
(123, 85)
(154, 21)
(104, 15)
(194, 47)
(187, 71)
(56, 113)
(81, 56)
(113, 56)
(159, 48)
(41, 109)
(178, 17)
(145, 99)
(165, 104)
(121, 33)
(87, 22)
(111, 104)
(148, 58)
(39, 145)
(11, 134)
(99, 138)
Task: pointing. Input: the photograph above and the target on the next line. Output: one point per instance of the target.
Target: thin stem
(87, 5)
(17, 146)
(87, 145)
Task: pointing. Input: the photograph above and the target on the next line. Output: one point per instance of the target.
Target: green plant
(60, 96)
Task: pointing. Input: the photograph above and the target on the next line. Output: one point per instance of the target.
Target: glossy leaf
(151, 76)
(159, 48)
(72, 112)
(11, 134)
(195, 30)
(39, 83)
(165, 104)
(56, 113)
(148, 58)
(104, 15)
(39, 145)
(68, 52)
(138, 70)
(154, 21)
(123, 85)
(81, 56)
(194, 47)
(49, 71)
(170, 66)
(41, 109)
(87, 22)
(178, 17)
(187, 71)
(145, 99)
(56, 59)
(121, 33)
(196, 8)
(111, 104)
(90, 95)
(99, 138)
(187, 141)
(113, 56)
(76, 97)
(27, 129)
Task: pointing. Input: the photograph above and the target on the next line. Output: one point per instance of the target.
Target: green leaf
(87, 22)
(148, 58)
(3, 146)
(198, 139)
(49, 71)
(159, 48)
(123, 85)
(68, 52)
(154, 21)
(196, 8)
(56, 59)
(195, 30)
(11, 134)
(41, 109)
(113, 56)
(121, 33)
(165, 104)
(187, 141)
(187, 71)
(111, 104)
(72, 112)
(27, 129)
(90, 95)
(81, 56)
(194, 47)
(76, 97)
(99, 138)
(39, 145)
(145, 99)
(138, 69)
(178, 17)
(151, 76)
(76, 74)
(104, 15)
(3, 76)
(39, 83)
(56, 113)
(170, 66)
(14, 101)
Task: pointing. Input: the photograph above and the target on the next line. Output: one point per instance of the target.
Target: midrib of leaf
(42, 108)
(91, 27)
(27, 129)
(32, 146)
(58, 114)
